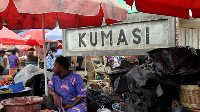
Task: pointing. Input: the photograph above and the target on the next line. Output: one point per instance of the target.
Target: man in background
(4, 62)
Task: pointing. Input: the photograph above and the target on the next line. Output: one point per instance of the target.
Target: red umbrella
(24, 47)
(8, 37)
(69, 13)
(34, 37)
(177, 8)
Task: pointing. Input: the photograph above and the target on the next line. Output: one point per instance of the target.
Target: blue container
(26, 92)
(17, 87)
(32, 63)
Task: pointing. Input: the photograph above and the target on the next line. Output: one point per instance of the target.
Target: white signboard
(121, 39)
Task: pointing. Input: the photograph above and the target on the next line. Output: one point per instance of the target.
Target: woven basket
(190, 96)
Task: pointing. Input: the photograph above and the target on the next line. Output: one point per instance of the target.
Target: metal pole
(45, 63)
(85, 67)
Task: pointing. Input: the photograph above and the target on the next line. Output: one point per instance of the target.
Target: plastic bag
(135, 103)
(28, 72)
(96, 99)
(175, 60)
(103, 110)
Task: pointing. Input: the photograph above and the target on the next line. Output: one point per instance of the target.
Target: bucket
(17, 87)
(23, 104)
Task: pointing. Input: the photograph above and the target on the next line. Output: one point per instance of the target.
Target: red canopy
(69, 13)
(176, 8)
(196, 9)
(8, 37)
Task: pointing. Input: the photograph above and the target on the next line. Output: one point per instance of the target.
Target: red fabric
(196, 9)
(4, 9)
(8, 37)
(66, 20)
(129, 2)
(111, 8)
(34, 37)
(16, 20)
(30, 16)
(177, 8)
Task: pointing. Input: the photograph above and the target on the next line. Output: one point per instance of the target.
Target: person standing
(4, 62)
(67, 88)
(14, 63)
(112, 62)
(50, 57)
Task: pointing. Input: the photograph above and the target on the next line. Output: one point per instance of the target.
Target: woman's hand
(66, 106)
(57, 100)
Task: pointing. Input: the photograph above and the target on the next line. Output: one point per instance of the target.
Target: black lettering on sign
(147, 35)
(95, 39)
(136, 36)
(109, 34)
(81, 39)
(123, 39)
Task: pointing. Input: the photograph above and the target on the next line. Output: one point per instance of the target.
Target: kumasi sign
(120, 39)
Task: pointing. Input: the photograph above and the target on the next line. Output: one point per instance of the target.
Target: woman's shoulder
(54, 75)
(75, 74)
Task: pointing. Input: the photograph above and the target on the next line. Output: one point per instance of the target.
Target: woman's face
(56, 68)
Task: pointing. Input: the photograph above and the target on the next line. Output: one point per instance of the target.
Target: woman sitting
(66, 88)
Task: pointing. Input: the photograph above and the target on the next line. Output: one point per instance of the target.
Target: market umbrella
(23, 32)
(8, 37)
(26, 14)
(176, 8)
(55, 34)
(11, 48)
(3, 47)
(33, 37)
(69, 13)
(19, 47)
(24, 47)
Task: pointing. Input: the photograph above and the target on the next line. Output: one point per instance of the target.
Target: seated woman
(66, 88)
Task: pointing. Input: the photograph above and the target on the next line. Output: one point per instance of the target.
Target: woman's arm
(18, 63)
(77, 101)
(56, 97)
(5, 62)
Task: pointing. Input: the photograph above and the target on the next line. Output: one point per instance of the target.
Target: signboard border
(131, 19)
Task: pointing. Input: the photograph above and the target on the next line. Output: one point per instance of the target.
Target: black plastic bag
(135, 103)
(175, 60)
(37, 83)
(121, 85)
(96, 99)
